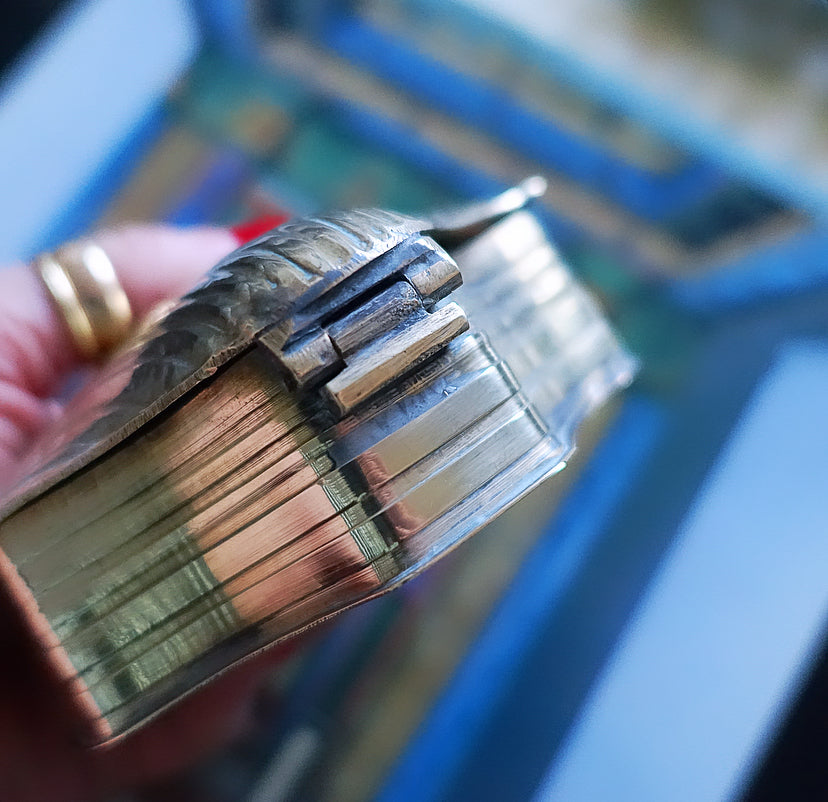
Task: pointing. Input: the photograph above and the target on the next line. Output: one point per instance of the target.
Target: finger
(153, 263)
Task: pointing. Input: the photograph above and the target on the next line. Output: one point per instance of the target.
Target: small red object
(250, 229)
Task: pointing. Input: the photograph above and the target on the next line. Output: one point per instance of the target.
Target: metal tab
(312, 359)
(376, 317)
(360, 350)
(434, 274)
(394, 355)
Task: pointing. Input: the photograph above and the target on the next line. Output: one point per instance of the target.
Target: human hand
(40, 759)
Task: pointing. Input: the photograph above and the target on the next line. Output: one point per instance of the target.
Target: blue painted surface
(723, 633)
(79, 216)
(462, 179)
(228, 25)
(670, 121)
(782, 268)
(493, 112)
(214, 192)
(449, 734)
(404, 142)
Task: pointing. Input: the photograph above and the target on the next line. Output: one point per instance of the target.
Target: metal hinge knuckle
(359, 349)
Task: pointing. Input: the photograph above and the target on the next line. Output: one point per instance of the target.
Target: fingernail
(250, 229)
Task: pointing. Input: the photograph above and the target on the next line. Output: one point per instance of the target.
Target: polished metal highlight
(328, 413)
(83, 286)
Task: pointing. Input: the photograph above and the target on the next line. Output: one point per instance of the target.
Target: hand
(39, 757)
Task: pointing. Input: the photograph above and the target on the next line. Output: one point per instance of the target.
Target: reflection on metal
(321, 419)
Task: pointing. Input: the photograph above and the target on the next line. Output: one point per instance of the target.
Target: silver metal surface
(327, 414)
(394, 355)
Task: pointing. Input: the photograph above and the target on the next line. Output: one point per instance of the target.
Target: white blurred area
(716, 650)
(62, 115)
(753, 73)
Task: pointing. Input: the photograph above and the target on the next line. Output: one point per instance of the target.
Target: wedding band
(316, 423)
(84, 288)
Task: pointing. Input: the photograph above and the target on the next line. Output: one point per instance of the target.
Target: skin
(39, 758)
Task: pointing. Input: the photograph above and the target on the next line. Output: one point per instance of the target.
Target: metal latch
(366, 338)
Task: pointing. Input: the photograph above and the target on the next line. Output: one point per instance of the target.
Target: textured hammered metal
(258, 286)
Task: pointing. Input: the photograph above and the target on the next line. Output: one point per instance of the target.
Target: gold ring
(81, 281)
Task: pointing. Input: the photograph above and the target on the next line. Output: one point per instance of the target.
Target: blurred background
(651, 625)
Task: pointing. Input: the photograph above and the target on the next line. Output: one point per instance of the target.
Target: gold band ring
(81, 281)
